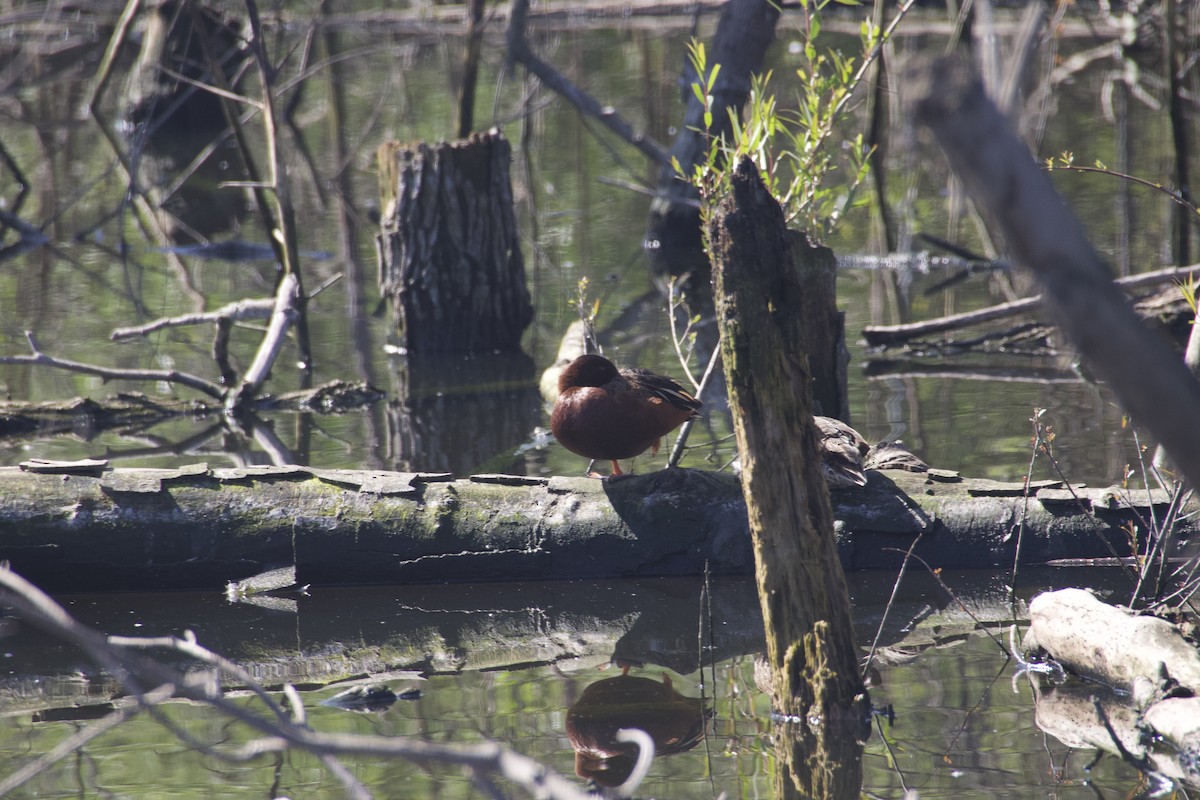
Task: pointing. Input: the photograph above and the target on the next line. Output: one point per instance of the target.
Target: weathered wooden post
(449, 257)
(806, 609)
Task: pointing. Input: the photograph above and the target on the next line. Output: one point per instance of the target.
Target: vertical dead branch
(1179, 130)
(466, 101)
(285, 232)
(1002, 177)
(805, 605)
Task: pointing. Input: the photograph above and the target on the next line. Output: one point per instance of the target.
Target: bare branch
(287, 301)
(240, 311)
(37, 357)
(518, 50)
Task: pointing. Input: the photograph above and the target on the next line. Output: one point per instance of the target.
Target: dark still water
(111, 260)
(523, 665)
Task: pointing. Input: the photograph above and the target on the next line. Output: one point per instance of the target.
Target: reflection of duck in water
(675, 723)
(606, 413)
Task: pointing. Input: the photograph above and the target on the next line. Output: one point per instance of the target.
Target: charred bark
(449, 252)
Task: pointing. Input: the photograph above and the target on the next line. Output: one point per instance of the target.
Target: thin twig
(887, 608)
(681, 441)
(937, 576)
(1036, 420)
(111, 51)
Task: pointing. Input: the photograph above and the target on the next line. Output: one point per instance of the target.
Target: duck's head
(587, 370)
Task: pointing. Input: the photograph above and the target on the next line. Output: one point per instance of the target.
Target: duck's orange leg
(616, 470)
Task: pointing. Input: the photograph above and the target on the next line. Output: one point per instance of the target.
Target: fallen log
(199, 527)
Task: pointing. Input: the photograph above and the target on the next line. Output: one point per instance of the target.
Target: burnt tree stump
(449, 258)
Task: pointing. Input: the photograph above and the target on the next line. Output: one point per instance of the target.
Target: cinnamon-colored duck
(609, 414)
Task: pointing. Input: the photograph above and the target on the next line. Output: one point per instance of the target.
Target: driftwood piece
(1151, 381)
(1145, 658)
(1110, 644)
(199, 527)
(449, 251)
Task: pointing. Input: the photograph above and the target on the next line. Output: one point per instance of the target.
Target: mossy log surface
(197, 527)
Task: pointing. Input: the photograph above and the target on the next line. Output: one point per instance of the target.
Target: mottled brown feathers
(610, 414)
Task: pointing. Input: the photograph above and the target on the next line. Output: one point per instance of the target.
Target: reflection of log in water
(675, 724)
(456, 413)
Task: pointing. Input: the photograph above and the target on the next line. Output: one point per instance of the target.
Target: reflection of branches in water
(151, 682)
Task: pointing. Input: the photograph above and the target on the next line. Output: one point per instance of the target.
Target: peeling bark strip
(197, 528)
(449, 255)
